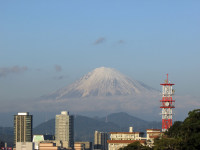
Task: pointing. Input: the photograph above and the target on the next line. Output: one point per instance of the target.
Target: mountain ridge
(102, 82)
(85, 126)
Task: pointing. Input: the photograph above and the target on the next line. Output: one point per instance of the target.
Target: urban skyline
(23, 134)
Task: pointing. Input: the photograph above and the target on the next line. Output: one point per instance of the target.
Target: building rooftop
(23, 113)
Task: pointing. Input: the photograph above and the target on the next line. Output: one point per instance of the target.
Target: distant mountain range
(85, 126)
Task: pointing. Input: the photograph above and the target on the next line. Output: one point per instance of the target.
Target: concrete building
(64, 130)
(100, 140)
(121, 139)
(22, 127)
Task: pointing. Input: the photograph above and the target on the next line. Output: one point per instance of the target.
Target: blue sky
(46, 45)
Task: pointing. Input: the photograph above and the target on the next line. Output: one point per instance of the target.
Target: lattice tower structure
(167, 104)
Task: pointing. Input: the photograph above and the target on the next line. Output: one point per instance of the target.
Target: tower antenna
(167, 103)
(167, 78)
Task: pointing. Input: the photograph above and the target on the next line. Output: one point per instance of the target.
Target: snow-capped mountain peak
(100, 82)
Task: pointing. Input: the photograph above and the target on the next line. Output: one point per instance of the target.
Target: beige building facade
(48, 146)
(64, 129)
(24, 146)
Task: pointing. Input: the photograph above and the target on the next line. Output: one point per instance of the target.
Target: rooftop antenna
(167, 78)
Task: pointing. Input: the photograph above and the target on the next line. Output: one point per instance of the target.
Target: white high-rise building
(64, 129)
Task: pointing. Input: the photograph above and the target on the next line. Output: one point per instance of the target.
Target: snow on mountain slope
(102, 82)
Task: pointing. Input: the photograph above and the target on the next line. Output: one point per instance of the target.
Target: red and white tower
(167, 104)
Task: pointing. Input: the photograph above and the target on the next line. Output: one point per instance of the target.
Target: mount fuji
(102, 91)
(103, 82)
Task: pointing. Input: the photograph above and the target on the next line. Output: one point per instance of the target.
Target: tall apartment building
(100, 140)
(64, 129)
(22, 127)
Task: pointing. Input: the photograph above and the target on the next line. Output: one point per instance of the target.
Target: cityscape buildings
(64, 139)
(64, 129)
(22, 127)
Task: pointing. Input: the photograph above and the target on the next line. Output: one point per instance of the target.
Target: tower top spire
(167, 78)
(167, 83)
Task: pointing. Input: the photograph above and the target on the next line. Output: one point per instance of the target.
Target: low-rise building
(122, 139)
(87, 145)
(79, 146)
(48, 146)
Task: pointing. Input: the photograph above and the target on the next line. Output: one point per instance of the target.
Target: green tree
(166, 143)
(174, 131)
